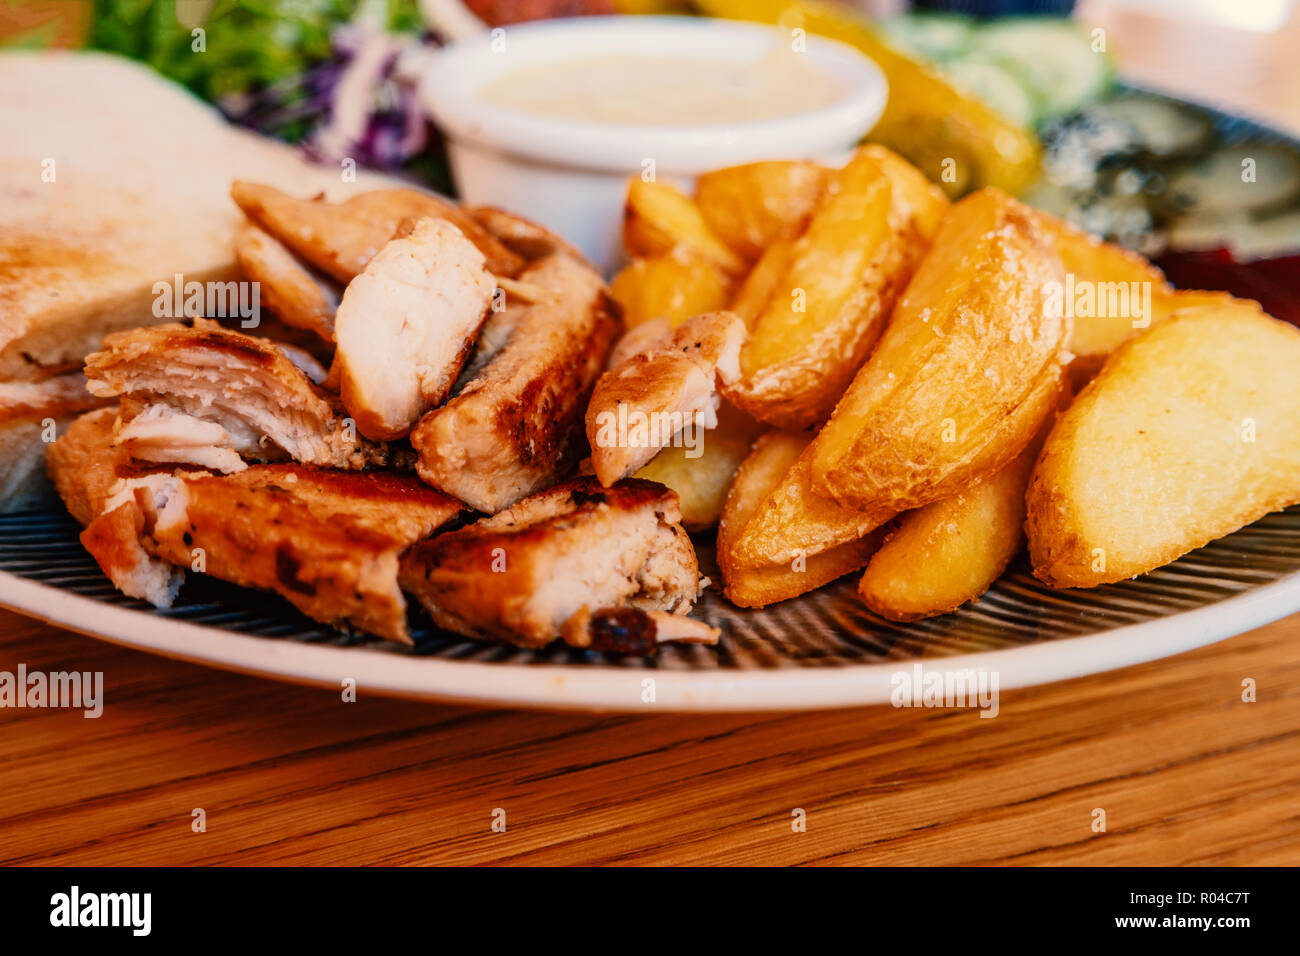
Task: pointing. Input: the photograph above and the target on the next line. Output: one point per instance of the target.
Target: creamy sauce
(665, 90)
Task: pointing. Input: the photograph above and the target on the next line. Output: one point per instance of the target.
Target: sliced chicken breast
(29, 413)
(523, 236)
(161, 434)
(248, 386)
(639, 406)
(406, 326)
(577, 561)
(647, 336)
(299, 296)
(517, 426)
(327, 541)
(115, 500)
(340, 238)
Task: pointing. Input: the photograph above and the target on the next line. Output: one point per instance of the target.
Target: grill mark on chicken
(286, 570)
(517, 426)
(266, 404)
(531, 574)
(630, 630)
(327, 541)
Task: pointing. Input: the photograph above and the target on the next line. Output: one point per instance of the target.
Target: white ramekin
(571, 175)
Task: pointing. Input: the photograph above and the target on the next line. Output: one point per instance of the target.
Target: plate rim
(619, 690)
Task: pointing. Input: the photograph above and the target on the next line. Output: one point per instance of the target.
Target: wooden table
(1185, 770)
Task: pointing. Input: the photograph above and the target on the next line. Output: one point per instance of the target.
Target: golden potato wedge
(825, 313)
(794, 520)
(340, 238)
(966, 372)
(1187, 434)
(657, 218)
(1164, 304)
(673, 286)
(772, 456)
(754, 205)
(760, 285)
(947, 553)
(702, 483)
(1177, 301)
(1109, 292)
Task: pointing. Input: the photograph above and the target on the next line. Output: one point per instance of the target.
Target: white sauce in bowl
(665, 90)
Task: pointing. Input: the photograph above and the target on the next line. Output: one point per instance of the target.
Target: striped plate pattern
(826, 629)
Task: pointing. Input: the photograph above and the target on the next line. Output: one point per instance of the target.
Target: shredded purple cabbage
(360, 105)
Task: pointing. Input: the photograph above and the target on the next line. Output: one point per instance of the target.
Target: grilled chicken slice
(406, 326)
(27, 412)
(115, 500)
(266, 405)
(86, 467)
(643, 337)
(327, 541)
(517, 426)
(161, 434)
(296, 294)
(522, 236)
(630, 630)
(340, 238)
(492, 338)
(641, 404)
(570, 562)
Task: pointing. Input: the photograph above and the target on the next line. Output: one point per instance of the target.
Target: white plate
(802, 654)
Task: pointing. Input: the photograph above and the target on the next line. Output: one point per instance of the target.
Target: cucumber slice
(1223, 183)
(930, 36)
(1156, 126)
(1247, 239)
(995, 85)
(1056, 57)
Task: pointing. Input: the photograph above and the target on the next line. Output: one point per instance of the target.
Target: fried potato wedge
(753, 205)
(967, 371)
(773, 455)
(1165, 303)
(1187, 434)
(761, 283)
(673, 286)
(795, 521)
(657, 218)
(947, 553)
(827, 310)
(1109, 291)
(702, 482)
(340, 238)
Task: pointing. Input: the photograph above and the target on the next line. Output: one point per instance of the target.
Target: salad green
(248, 45)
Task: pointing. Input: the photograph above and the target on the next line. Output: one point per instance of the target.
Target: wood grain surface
(1186, 772)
